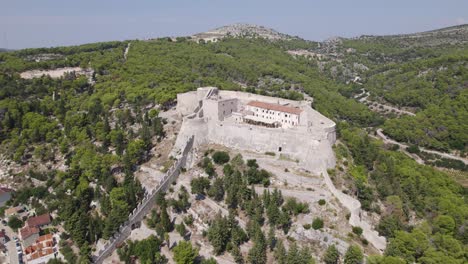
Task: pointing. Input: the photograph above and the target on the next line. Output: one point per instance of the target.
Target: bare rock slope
(242, 30)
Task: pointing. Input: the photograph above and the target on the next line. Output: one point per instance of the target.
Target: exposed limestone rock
(241, 30)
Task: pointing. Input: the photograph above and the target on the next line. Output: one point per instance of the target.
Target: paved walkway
(354, 206)
(11, 245)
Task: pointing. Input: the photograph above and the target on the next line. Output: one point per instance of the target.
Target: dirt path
(402, 149)
(126, 51)
(388, 140)
(379, 105)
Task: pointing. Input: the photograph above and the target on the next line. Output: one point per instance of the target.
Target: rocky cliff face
(242, 30)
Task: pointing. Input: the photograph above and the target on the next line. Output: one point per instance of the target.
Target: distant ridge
(448, 35)
(242, 30)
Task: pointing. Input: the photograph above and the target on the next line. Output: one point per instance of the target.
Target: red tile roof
(27, 231)
(44, 238)
(276, 107)
(43, 247)
(5, 190)
(41, 253)
(38, 221)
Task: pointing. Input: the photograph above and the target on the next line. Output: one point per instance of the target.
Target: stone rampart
(299, 145)
(309, 142)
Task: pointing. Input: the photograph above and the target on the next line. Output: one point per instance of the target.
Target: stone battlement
(215, 116)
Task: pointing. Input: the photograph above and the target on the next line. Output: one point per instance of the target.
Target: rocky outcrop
(241, 30)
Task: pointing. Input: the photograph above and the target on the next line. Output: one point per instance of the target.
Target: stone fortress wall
(310, 142)
(206, 118)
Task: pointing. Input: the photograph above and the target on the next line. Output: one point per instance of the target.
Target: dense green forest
(103, 129)
(431, 80)
(409, 191)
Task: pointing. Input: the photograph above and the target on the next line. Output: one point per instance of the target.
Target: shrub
(220, 157)
(293, 206)
(184, 253)
(181, 229)
(307, 226)
(357, 230)
(317, 223)
(394, 147)
(14, 222)
(188, 220)
(269, 153)
(322, 202)
(266, 182)
(252, 163)
(413, 149)
(200, 185)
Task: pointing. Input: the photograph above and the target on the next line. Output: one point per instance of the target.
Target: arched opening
(280, 148)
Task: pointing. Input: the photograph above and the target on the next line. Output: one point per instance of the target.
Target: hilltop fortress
(290, 129)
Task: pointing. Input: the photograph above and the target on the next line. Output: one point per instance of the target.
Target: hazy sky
(45, 23)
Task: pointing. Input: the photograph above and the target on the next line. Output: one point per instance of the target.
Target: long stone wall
(144, 206)
(309, 151)
(312, 151)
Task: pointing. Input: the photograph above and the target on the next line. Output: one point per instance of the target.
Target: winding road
(365, 94)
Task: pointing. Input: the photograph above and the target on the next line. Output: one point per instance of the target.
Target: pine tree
(280, 253)
(332, 255)
(305, 256)
(184, 253)
(353, 255)
(219, 234)
(237, 255)
(257, 254)
(293, 254)
(271, 238)
(165, 220)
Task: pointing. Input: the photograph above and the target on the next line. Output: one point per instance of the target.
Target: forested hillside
(91, 136)
(94, 130)
(425, 72)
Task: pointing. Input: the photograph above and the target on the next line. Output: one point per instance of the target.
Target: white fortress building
(245, 121)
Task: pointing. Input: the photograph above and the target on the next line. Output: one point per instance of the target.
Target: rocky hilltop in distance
(241, 30)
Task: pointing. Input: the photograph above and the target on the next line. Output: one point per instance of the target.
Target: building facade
(286, 116)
